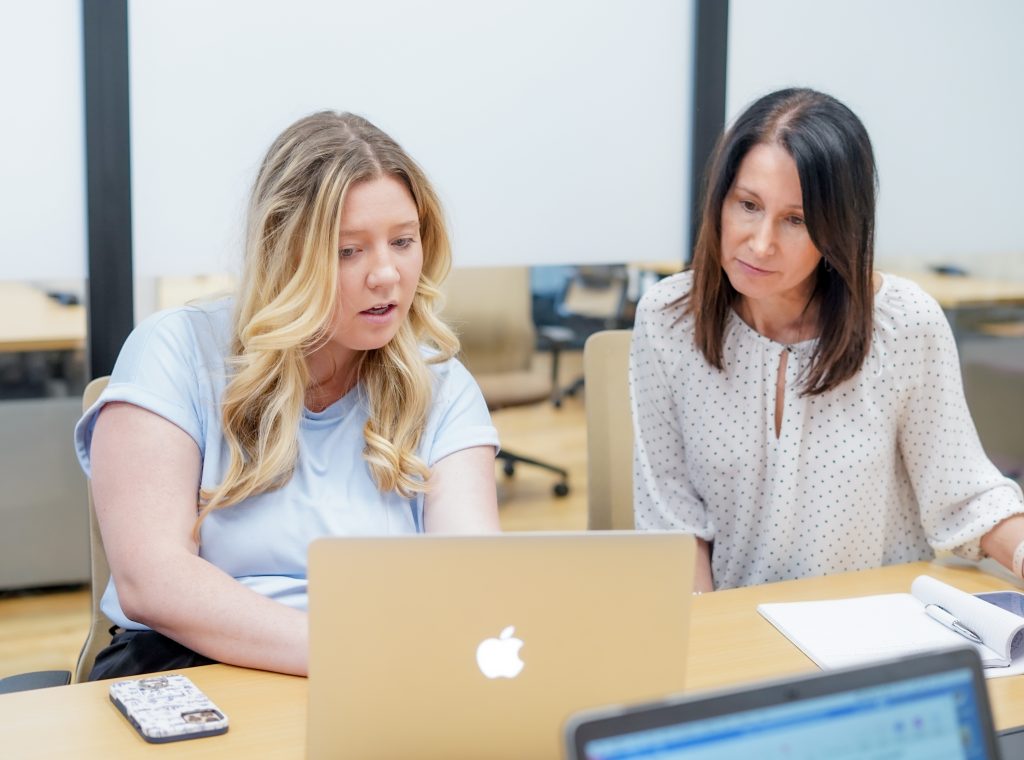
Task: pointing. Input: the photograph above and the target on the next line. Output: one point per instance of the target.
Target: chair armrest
(40, 679)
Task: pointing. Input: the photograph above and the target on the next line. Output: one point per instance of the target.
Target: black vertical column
(711, 47)
(108, 180)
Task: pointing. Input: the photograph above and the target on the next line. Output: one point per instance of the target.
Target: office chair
(609, 431)
(99, 625)
(594, 298)
(490, 310)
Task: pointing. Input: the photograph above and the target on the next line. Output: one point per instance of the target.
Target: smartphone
(167, 708)
(1011, 601)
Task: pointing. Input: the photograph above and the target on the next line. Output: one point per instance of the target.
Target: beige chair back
(491, 311)
(609, 431)
(99, 624)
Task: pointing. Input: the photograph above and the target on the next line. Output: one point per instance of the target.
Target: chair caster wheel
(561, 489)
(510, 469)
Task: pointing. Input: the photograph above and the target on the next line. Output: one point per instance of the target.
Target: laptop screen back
(928, 716)
(481, 646)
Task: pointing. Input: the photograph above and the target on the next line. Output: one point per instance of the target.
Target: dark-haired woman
(798, 413)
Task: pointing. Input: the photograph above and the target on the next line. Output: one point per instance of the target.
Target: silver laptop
(473, 647)
(928, 707)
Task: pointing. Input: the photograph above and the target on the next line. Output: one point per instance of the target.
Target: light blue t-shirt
(173, 364)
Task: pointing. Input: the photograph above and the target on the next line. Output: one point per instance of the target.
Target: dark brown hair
(836, 167)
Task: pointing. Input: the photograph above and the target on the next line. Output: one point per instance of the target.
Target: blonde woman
(325, 401)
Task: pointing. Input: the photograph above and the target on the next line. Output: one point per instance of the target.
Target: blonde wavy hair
(288, 297)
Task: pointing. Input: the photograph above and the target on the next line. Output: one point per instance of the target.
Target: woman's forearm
(208, 611)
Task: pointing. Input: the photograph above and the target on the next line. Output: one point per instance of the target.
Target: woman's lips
(379, 313)
(751, 269)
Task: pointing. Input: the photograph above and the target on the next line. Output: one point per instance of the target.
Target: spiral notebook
(845, 632)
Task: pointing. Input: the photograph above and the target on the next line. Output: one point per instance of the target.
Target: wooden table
(32, 321)
(956, 292)
(959, 295)
(951, 291)
(730, 644)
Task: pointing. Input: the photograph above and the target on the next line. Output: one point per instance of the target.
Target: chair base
(561, 488)
(570, 390)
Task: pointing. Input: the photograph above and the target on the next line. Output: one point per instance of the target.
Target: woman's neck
(785, 321)
(330, 378)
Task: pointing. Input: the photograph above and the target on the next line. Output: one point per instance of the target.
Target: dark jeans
(134, 653)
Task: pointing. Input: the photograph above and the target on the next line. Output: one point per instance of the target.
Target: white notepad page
(845, 632)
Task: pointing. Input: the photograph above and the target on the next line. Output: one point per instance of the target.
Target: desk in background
(32, 321)
(44, 540)
(961, 292)
(730, 644)
(951, 291)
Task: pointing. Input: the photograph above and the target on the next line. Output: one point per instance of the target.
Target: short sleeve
(459, 418)
(157, 371)
(960, 492)
(663, 495)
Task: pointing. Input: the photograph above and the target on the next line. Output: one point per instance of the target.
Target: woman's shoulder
(662, 303)
(196, 331)
(903, 307)
(203, 316)
(445, 371)
(667, 290)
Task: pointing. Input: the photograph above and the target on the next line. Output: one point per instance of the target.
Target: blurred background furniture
(490, 309)
(992, 359)
(593, 298)
(609, 431)
(44, 540)
(31, 320)
(42, 340)
(177, 291)
(99, 629)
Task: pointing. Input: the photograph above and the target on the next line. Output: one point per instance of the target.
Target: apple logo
(499, 658)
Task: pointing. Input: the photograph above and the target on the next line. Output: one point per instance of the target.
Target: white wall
(42, 162)
(938, 84)
(556, 132)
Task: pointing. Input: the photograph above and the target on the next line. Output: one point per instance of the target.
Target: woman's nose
(384, 272)
(762, 237)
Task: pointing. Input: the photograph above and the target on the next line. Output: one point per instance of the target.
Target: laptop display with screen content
(930, 707)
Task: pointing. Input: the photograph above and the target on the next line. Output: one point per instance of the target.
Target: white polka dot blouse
(885, 468)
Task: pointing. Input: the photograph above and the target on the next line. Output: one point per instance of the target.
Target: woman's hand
(1002, 541)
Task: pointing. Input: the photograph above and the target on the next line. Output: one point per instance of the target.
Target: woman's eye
(748, 206)
(346, 253)
(796, 221)
(403, 242)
